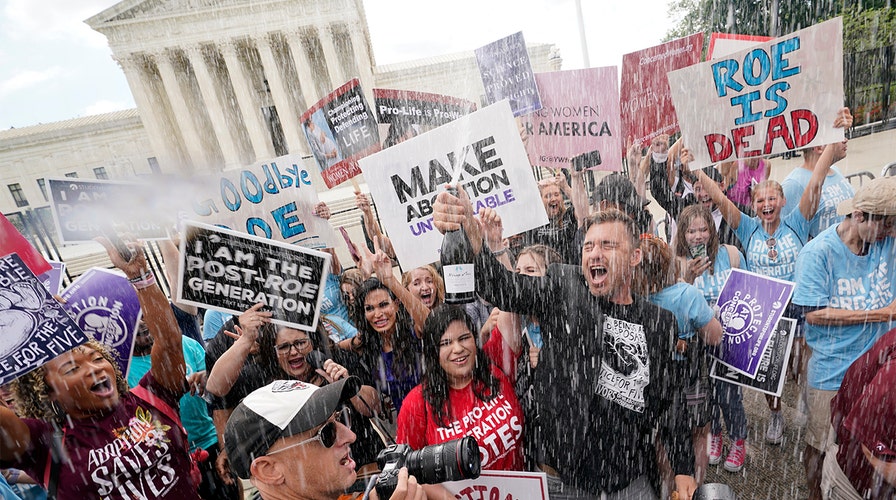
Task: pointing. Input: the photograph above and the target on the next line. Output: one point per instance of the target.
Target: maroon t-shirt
(133, 452)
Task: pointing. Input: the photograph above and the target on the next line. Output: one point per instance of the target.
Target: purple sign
(507, 74)
(52, 279)
(105, 306)
(750, 306)
(33, 325)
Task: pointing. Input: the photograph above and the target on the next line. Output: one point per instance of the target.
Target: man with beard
(605, 377)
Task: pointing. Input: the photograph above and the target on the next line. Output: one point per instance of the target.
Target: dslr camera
(450, 461)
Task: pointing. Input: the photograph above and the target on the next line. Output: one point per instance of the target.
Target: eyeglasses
(771, 243)
(299, 345)
(327, 433)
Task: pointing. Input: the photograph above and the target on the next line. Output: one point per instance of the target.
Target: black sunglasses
(327, 433)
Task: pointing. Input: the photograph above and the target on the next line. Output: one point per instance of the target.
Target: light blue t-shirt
(791, 235)
(193, 410)
(212, 322)
(688, 305)
(834, 190)
(711, 284)
(828, 274)
(332, 305)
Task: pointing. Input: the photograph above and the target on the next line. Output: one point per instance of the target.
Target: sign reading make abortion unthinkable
(579, 114)
(750, 306)
(340, 129)
(84, 208)
(778, 96)
(105, 306)
(272, 199)
(507, 74)
(406, 178)
(34, 328)
(231, 272)
(772, 368)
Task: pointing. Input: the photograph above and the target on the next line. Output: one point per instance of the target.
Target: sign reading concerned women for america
(778, 96)
(231, 272)
(406, 178)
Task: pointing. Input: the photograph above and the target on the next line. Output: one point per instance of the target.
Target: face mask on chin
(660, 157)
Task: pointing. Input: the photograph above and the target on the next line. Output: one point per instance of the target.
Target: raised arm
(167, 355)
(171, 258)
(579, 196)
(493, 229)
(227, 369)
(729, 210)
(370, 223)
(15, 438)
(382, 264)
(812, 194)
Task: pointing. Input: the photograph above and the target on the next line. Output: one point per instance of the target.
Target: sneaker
(802, 408)
(774, 434)
(736, 456)
(715, 449)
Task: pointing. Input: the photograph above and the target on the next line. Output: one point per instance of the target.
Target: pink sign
(645, 99)
(579, 114)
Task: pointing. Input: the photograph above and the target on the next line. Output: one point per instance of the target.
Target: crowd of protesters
(585, 355)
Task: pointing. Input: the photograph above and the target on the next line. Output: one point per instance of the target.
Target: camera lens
(451, 461)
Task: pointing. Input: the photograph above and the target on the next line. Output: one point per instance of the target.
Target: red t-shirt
(133, 452)
(497, 425)
(501, 354)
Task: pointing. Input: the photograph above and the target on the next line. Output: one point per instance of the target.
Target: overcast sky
(54, 67)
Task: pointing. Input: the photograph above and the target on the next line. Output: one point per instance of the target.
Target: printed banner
(231, 272)
(779, 96)
(83, 209)
(52, 279)
(104, 304)
(12, 241)
(723, 44)
(750, 306)
(579, 114)
(507, 74)
(340, 129)
(34, 327)
(406, 178)
(772, 368)
(502, 485)
(272, 199)
(403, 114)
(645, 98)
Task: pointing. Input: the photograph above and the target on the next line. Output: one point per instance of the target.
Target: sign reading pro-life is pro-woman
(406, 178)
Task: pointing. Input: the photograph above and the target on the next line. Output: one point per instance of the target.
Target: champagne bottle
(457, 266)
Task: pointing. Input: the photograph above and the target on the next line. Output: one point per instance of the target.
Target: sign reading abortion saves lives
(231, 272)
(778, 96)
(406, 178)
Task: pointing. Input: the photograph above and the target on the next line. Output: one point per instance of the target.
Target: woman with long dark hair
(462, 394)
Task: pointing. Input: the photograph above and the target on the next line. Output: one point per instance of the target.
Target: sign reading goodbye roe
(779, 96)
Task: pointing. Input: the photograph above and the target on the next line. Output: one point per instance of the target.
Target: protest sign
(232, 272)
(52, 279)
(340, 129)
(779, 96)
(83, 209)
(12, 241)
(502, 485)
(272, 199)
(645, 98)
(507, 74)
(34, 327)
(104, 304)
(579, 114)
(403, 114)
(750, 306)
(723, 44)
(406, 178)
(772, 368)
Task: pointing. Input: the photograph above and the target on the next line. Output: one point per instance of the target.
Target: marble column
(214, 103)
(289, 117)
(303, 68)
(250, 109)
(163, 144)
(331, 57)
(183, 115)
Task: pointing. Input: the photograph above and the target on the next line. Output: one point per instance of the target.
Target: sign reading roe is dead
(778, 96)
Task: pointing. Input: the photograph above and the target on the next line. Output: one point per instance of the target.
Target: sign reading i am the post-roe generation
(231, 272)
(781, 95)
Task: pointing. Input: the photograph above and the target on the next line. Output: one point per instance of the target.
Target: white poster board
(502, 485)
(406, 178)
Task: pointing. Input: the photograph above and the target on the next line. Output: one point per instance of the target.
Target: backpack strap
(733, 256)
(54, 462)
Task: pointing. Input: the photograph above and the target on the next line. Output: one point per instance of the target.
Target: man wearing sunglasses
(846, 289)
(291, 439)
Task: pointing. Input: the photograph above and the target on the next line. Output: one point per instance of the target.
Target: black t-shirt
(251, 376)
(561, 236)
